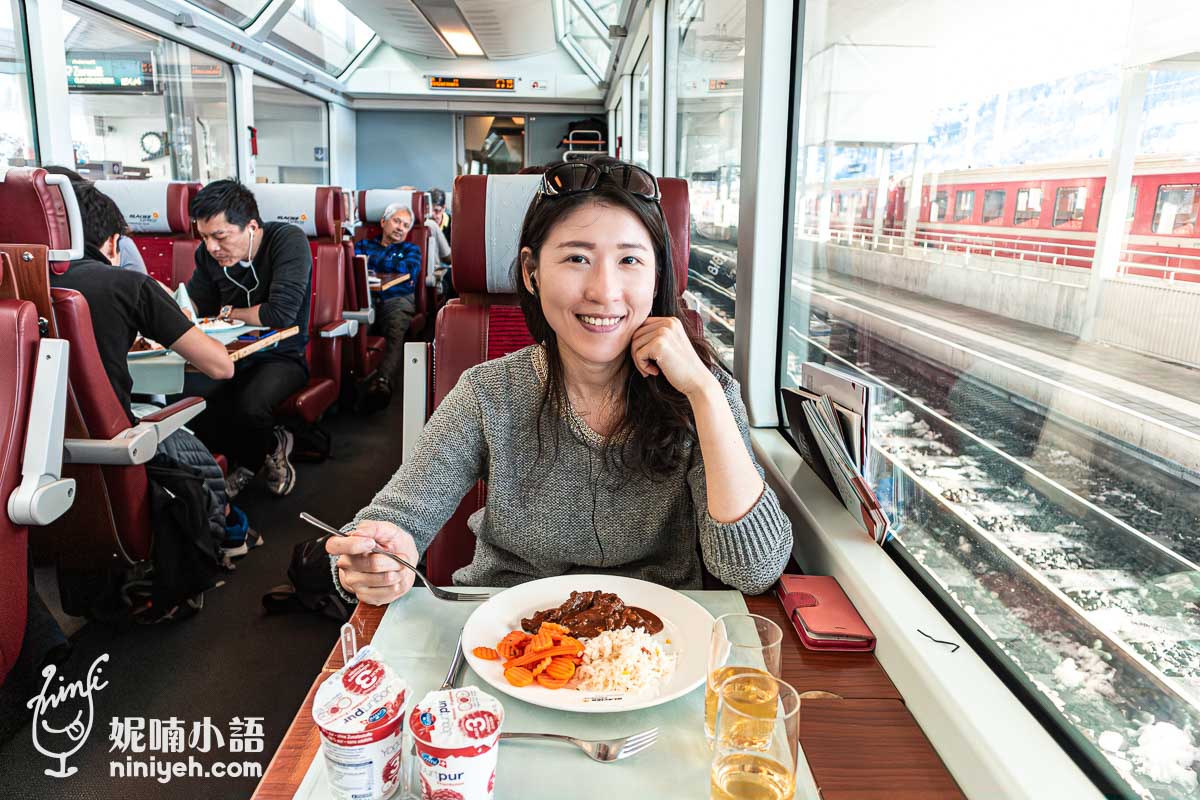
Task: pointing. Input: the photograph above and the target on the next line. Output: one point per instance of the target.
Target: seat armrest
(364, 316)
(44, 495)
(166, 413)
(336, 330)
(138, 444)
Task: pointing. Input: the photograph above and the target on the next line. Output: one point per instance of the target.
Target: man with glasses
(439, 214)
(258, 274)
(396, 306)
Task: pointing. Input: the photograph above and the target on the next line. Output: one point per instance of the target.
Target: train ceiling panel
(511, 30)
(402, 25)
(447, 29)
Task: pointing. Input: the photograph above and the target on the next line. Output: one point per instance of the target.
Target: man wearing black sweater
(259, 274)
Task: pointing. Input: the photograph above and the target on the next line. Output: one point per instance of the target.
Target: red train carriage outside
(1048, 217)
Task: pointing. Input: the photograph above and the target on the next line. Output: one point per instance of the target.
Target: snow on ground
(1164, 753)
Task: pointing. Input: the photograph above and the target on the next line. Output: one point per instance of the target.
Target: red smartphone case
(826, 611)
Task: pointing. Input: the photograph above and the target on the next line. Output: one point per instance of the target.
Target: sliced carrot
(486, 653)
(518, 676)
(516, 638)
(542, 641)
(541, 665)
(530, 658)
(568, 641)
(550, 683)
(560, 669)
(554, 627)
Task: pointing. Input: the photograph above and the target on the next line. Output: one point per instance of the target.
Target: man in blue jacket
(394, 308)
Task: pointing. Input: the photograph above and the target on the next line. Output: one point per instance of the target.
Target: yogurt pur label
(359, 711)
(456, 733)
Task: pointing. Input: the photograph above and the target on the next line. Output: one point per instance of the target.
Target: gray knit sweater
(541, 520)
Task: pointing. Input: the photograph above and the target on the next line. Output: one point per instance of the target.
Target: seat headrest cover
(150, 206)
(314, 209)
(508, 198)
(375, 201)
(489, 210)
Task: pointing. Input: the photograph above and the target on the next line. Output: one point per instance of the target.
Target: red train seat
(485, 322)
(317, 211)
(18, 353)
(157, 213)
(371, 205)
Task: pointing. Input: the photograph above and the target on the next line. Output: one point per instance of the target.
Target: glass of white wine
(740, 643)
(756, 740)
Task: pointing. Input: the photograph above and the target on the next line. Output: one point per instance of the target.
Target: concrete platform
(1150, 405)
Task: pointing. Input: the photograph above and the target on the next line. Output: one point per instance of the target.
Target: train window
(708, 153)
(143, 106)
(1069, 204)
(993, 204)
(606, 10)
(16, 125)
(1133, 196)
(589, 36)
(641, 108)
(321, 32)
(239, 12)
(1045, 494)
(964, 206)
(1175, 209)
(937, 209)
(1029, 206)
(293, 134)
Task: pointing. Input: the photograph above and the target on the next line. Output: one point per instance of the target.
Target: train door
(492, 145)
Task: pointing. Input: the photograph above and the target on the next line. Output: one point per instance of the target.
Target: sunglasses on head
(577, 177)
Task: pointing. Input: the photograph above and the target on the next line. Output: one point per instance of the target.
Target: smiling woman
(618, 412)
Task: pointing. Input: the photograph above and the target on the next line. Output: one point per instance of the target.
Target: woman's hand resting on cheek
(661, 346)
(373, 578)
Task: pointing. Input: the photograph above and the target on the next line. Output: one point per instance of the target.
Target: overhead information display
(105, 72)
(473, 84)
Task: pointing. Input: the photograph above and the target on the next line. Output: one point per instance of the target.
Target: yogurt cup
(359, 711)
(456, 733)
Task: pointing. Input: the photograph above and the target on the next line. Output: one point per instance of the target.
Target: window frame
(1078, 211)
(1194, 188)
(21, 29)
(162, 41)
(959, 194)
(984, 210)
(277, 41)
(940, 199)
(1018, 220)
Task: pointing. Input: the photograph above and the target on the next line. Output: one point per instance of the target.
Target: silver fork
(602, 750)
(436, 591)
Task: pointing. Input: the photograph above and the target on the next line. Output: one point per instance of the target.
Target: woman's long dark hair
(656, 424)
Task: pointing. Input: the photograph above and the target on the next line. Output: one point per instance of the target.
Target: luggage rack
(591, 139)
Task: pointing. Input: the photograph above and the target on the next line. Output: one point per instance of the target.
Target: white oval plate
(220, 326)
(686, 630)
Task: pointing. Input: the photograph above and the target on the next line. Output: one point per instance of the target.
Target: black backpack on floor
(186, 553)
(311, 587)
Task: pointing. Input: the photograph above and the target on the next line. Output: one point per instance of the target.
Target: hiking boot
(278, 469)
(236, 481)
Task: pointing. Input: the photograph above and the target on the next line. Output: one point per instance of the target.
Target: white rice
(626, 660)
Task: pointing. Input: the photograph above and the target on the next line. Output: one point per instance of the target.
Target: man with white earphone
(257, 274)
